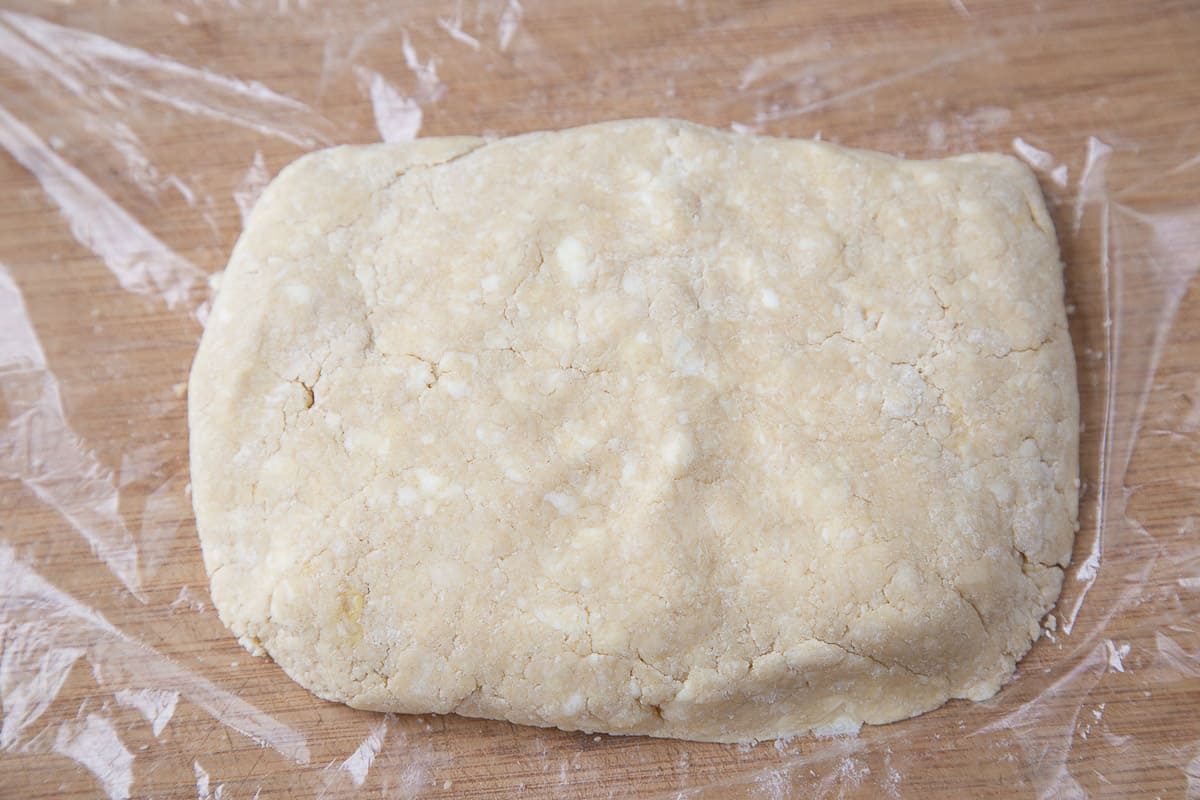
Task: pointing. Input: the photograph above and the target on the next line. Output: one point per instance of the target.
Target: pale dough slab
(640, 427)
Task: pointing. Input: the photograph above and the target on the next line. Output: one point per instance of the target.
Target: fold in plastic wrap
(137, 140)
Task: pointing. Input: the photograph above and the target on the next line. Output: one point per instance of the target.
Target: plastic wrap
(138, 138)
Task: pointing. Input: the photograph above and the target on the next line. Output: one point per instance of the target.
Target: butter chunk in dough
(639, 427)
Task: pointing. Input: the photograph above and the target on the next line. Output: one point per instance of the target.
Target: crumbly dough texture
(640, 427)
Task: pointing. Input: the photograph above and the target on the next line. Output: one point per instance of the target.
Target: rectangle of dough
(640, 427)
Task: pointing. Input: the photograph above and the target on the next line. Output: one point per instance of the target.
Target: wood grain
(151, 107)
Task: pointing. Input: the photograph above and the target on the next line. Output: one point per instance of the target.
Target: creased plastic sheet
(137, 139)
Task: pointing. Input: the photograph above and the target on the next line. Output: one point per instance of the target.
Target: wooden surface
(133, 132)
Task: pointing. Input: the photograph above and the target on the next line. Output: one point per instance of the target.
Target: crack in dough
(640, 427)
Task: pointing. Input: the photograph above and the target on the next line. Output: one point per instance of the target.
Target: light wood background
(133, 132)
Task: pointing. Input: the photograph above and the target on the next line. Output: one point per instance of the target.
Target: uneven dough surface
(640, 427)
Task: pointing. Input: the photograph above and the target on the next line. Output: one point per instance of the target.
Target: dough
(639, 427)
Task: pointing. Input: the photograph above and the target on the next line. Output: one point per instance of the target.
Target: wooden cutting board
(135, 138)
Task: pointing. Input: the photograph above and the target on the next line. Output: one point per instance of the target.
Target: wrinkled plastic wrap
(136, 140)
